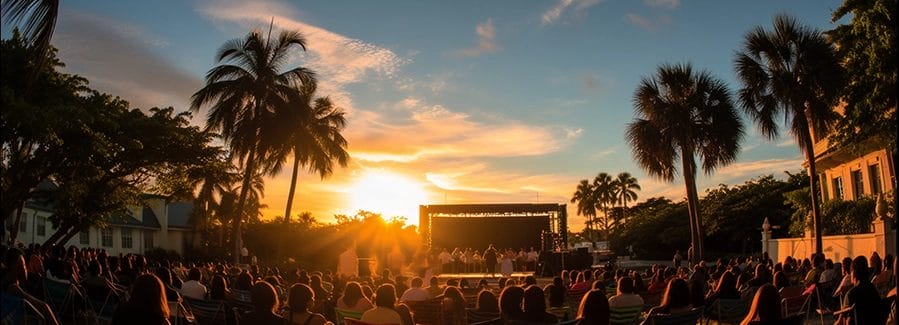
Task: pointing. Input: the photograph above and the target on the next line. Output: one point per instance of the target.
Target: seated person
(625, 297)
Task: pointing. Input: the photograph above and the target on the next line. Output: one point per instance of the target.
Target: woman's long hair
(352, 293)
(594, 308)
(765, 305)
(677, 295)
(148, 294)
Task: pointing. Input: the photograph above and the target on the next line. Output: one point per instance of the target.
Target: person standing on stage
(490, 260)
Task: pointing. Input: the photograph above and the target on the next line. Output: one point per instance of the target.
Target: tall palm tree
(604, 190)
(586, 204)
(795, 72)
(310, 131)
(625, 187)
(246, 85)
(684, 114)
(38, 18)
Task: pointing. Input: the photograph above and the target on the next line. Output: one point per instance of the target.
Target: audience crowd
(62, 285)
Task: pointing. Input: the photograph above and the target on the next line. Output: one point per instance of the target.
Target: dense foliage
(732, 215)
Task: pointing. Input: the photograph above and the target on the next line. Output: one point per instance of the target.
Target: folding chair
(729, 311)
(206, 311)
(346, 313)
(625, 316)
(687, 318)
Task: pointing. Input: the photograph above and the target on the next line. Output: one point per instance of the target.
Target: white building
(157, 224)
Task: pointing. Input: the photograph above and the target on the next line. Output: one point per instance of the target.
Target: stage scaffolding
(557, 216)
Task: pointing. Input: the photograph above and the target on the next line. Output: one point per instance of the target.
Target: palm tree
(604, 190)
(246, 85)
(586, 204)
(795, 72)
(38, 18)
(310, 131)
(682, 113)
(625, 186)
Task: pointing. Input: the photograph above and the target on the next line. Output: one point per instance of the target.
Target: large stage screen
(479, 232)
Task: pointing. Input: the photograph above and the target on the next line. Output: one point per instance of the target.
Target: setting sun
(388, 194)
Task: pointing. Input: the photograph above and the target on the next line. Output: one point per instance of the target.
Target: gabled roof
(179, 214)
(149, 219)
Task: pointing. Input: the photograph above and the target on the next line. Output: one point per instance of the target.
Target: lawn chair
(16, 310)
(687, 318)
(103, 303)
(795, 300)
(243, 300)
(346, 313)
(61, 297)
(729, 311)
(426, 312)
(625, 315)
(475, 316)
(206, 311)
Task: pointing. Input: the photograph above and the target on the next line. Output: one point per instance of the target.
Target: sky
(447, 101)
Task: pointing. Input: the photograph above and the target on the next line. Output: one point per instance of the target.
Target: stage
(478, 276)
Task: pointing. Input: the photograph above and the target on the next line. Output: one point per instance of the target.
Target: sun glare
(388, 194)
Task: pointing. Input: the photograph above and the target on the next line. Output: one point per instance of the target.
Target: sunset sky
(449, 101)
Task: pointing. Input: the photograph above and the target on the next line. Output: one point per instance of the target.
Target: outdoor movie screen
(479, 232)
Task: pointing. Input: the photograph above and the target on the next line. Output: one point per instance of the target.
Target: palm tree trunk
(249, 171)
(813, 186)
(290, 193)
(689, 168)
(293, 185)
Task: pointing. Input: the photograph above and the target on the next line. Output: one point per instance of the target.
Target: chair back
(624, 315)
(346, 313)
(206, 311)
(795, 302)
(731, 310)
(59, 295)
(475, 316)
(426, 312)
(350, 321)
(686, 318)
(243, 299)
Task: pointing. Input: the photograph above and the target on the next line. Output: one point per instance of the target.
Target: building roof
(148, 219)
(179, 214)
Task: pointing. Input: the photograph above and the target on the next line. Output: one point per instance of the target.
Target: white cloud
(101, 49)
(337, 59)
(641, 22)
(573, 133)
(670, 4)
(787, 143)
(559, 10)
(486, 40)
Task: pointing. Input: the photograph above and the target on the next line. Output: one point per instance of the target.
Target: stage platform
(479, 276)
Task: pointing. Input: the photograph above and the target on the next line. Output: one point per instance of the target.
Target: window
(148, 240)
(874, 176)
(85, 237)
(858, 184)
(23, 223)
(106, 237)
(126, 238)
(41, 226)
(838, 188)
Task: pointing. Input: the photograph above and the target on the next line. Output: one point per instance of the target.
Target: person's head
(677, 295)
(534, 300)
(594, 308)
(433, 281)
(385, 296)
(502, 282)
(244, 281)
(148, 293)
(218, 287)
(455, 294)
(510, 300)
(194, 274)
(580, 278)
(727, 282)
(765, 305)
(875, 264)
(300, 297)
(557, 281)
(352, 292)
(780, 280)
(860, 272)
(817, 260)
(417, 282)
(828, 264)
(487, 302)
(265, 300)
(315, 281)
(165, 275)
(847, 265)
(530, 280)
(625, 285)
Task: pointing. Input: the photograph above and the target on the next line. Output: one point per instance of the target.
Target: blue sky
(450, 101)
